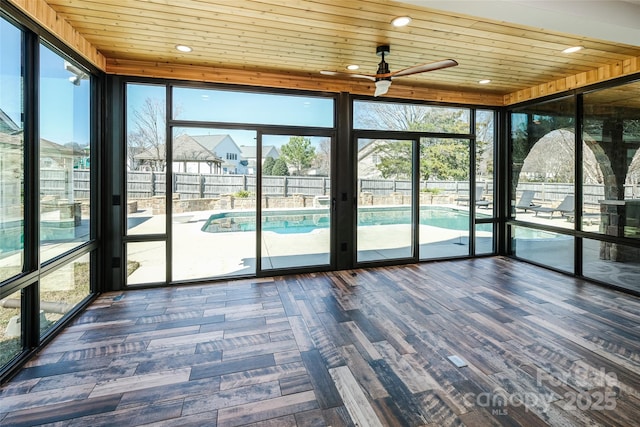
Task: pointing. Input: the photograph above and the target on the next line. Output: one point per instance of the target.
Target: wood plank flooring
(349, 348)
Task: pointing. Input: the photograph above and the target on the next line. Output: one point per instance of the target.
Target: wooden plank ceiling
(300, 38)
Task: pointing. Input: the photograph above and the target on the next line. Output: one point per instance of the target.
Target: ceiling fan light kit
(382, 86)
(384, 76)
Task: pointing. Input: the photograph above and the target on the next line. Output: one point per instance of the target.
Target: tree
(299, 153)
(412, 117)
(394, 159)
(267, 166)
(445, 159)
(322, 160)
(280, 168)
(148, 134)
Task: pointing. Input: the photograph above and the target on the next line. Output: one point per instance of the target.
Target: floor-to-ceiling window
(385, 199)
(229, 183)
(415, 197)
(12, 171)
(485, 155)
(611, 190)
(65, 182)
(295, 229)
(574, 196)
(543, 153)
(47, 189)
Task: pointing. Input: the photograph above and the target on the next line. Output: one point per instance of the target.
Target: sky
(236, 107)
(64, 107)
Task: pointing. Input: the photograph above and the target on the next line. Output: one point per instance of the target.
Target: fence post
(201, 179)
(245, 184)
(285, 183)
(152, 183)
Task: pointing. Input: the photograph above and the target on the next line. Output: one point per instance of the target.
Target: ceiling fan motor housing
(383, 67)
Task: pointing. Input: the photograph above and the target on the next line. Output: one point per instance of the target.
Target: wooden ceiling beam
(302, 81)
(44, 15)
(618, 69)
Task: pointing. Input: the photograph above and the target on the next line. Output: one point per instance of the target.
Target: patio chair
(566, 207)
(526, 201)
(480, 202)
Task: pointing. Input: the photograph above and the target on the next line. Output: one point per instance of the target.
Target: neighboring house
(152, 159)
(7, 125)
(189, 155)
(55, 156)
(368, 158)
(11, 159)
(249, 155)
(225, 148)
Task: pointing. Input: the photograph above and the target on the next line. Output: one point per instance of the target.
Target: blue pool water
(305, 221)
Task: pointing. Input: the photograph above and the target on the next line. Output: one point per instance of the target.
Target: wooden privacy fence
(144, 185)
(60, 183)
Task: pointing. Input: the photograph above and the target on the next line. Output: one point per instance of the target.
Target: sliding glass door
(225, 183)
(445, 199)
(385, 199)
(295, 215)
(213, 219)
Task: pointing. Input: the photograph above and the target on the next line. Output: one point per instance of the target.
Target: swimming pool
(307, 220)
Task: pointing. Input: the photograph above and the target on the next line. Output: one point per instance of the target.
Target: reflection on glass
(611, 163)
(485, 137)
(64, 155)
(611, 263)
(62, 289)
(484, 239)
(224, 106)
(384, 199)
(146, 159)
(410, 117)
(296, 194)
(146, 263)
(543, 247)
(214, 210)
(11, 153)
(543, 185)
(10, 328)
(445, 197)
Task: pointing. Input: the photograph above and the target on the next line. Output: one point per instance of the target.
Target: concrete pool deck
(203, 255)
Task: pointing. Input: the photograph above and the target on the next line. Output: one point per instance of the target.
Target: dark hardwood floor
(360, 347)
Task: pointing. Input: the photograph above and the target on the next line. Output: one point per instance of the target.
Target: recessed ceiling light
(353, 67)
(572, 49)
(484, 81)
(401, 21)
(183, 48)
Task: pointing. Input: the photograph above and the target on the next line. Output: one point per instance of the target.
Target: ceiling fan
(383, 76)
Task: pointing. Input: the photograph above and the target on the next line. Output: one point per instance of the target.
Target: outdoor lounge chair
(526, 200)
(480, 201)
(566, 207)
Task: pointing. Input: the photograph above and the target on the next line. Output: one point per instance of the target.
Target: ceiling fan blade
(425, 67)
(340, 74)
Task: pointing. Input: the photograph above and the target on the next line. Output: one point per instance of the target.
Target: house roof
(185, 148)
(211, 142)
(249, 151)
(7, 125)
